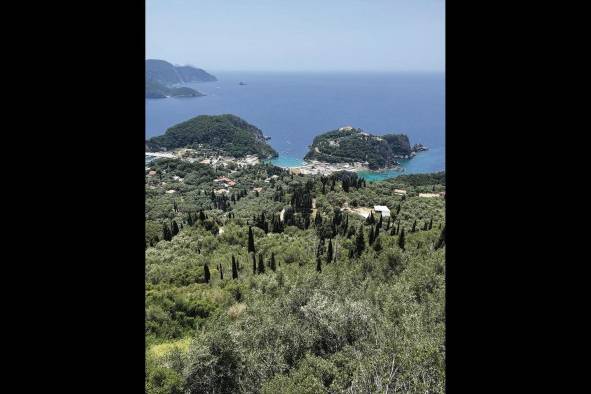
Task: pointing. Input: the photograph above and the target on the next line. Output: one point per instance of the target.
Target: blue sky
(298, 35)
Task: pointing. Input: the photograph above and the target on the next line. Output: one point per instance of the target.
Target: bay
(292, 108)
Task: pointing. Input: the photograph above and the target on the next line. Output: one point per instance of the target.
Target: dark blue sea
(292, 108)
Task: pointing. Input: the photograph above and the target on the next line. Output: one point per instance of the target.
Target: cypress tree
(426, 226)
(414, 226)
(377, 245)
(175, 228)
(441, 241)
(398, 228)
(335, 252)
(318, 264)
(380, 223)
(254, 265)
(190, 219)
(320, 247)
(329, 252)
(318, 219)
(359, 242)
(370, 236)
(234, 268)
(206, 273)
(401, 240)
(261, 269)
(221, 272)
(431, 224)
(351, 232)
(272, 264)
(166, 234)
(250, 240)
(393, 231)
(388, 225)
(376, 233)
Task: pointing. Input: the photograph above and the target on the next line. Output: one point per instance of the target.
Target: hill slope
(229, 133)
(349, 144)
(326, 307)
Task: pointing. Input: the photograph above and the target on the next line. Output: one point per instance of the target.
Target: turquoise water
(286, 161)
(432, 160)
(292, 108)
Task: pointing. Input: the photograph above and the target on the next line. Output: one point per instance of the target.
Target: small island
(361, 149)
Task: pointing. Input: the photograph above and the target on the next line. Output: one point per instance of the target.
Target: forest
(354, 145)
(229, 133)
(278, 284)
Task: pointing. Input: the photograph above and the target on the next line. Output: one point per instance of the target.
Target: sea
(292, 108)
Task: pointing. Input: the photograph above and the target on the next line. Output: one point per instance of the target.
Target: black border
(89, 271)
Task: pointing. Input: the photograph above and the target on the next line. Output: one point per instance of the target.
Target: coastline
(422, 162)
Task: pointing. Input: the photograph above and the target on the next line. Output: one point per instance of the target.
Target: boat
(241, 83)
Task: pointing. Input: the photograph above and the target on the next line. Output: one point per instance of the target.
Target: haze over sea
(292, 108)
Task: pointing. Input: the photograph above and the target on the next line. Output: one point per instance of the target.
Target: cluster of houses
(314, 167)
(225, 183)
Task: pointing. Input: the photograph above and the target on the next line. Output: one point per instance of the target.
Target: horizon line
(327, 71)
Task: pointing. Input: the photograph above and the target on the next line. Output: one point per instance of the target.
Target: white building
(429, 195)
(382, 209)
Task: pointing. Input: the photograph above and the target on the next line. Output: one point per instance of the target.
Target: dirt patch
(361, 211)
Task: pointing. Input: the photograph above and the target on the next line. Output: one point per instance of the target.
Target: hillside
(241, 298)
(167, 74)
(157, 90)
(349, 144)
(229, 133)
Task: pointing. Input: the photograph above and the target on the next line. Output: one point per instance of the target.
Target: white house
(382, 209)
(429, 195)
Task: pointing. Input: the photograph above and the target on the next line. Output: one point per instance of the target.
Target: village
(314, 167)
(225, 184)
(206, 156)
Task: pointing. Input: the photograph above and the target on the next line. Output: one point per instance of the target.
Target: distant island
(157, 90)
(162, 78)
(227, 133)
(350, 145)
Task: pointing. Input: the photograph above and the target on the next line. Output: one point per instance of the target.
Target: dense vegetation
(354, 145)
(165, 73)
(325, 301)
(228, 133)
(157, 90)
